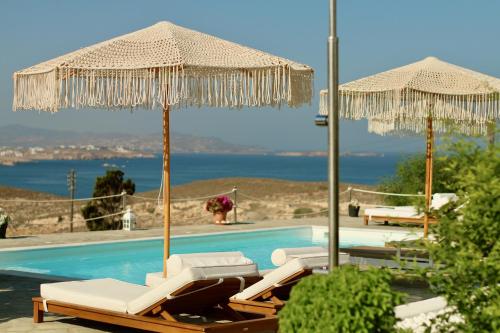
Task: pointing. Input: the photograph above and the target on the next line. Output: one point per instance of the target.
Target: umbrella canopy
(421, 97)
(427, 87)
(163, 65)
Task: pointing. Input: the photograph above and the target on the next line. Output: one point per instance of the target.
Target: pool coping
(40, 247)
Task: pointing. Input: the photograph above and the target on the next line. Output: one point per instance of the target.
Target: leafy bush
(346, 300)
(466, 250)
(110, 184)
(410, 178)
(300, 212)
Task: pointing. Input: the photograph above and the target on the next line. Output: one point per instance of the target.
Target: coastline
(11, 156)
(12, 161)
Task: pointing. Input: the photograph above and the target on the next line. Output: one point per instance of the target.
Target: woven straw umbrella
(413, 97)
(164, 66)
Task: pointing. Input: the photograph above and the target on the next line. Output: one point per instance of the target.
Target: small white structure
(129, 220)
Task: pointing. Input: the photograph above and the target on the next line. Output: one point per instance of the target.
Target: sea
(51, 176)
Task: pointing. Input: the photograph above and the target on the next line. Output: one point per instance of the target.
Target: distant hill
(25, 136)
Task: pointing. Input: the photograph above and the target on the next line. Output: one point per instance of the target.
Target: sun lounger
(269, 295)
(195, 291)
(406, 214)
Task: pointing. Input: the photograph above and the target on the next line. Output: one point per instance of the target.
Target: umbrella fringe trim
(405, 113)
(149, 88)
(411, 104)
(419, 127)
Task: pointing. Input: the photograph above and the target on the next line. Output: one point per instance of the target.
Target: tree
(4, 223)
(110, 184)
(466, 250)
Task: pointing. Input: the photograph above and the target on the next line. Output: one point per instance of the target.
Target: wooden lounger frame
(416, 220)
(269, 301)
(387, 253)
(198, 297)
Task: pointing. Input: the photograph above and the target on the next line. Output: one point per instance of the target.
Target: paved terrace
(17, 289)
(117, 235)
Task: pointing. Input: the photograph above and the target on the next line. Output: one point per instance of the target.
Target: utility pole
(71, 188)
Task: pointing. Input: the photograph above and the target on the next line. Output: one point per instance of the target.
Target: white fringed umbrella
(412, 97)
(165, 66)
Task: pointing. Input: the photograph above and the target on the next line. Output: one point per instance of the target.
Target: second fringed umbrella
(412, 97)
(165, 66)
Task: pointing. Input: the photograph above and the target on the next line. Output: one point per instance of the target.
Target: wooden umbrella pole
(428, 176)
(166, 187)
(491, 133)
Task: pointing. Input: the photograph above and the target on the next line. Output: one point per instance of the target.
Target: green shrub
(346, 300)
(410, 178)
(300, 212)
(466, 250)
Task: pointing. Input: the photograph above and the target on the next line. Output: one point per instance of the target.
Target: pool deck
(120, 235)
(17, 289)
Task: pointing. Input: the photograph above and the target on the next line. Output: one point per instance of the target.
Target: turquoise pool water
(130, 261)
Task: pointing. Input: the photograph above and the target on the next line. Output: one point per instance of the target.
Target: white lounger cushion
(438, 201)
(166, 289)
(416, 308)
(115, 295)
(275, 276)
(449, 196)
(441, 199)
(281, 273)
(155, 279)
(403, 211)
(219, 263)
(178, 262)
(107, 294)
(188, 275)
(282, 256)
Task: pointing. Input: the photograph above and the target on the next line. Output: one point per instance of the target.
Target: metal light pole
(333, 139)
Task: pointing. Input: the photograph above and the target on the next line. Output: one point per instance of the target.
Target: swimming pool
(131, 260)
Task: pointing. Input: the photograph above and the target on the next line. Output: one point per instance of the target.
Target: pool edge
(39, 247)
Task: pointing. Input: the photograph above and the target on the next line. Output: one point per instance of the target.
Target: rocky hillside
(24, 136)
(258, 199)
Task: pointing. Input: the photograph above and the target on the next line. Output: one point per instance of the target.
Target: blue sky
(374, 36)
